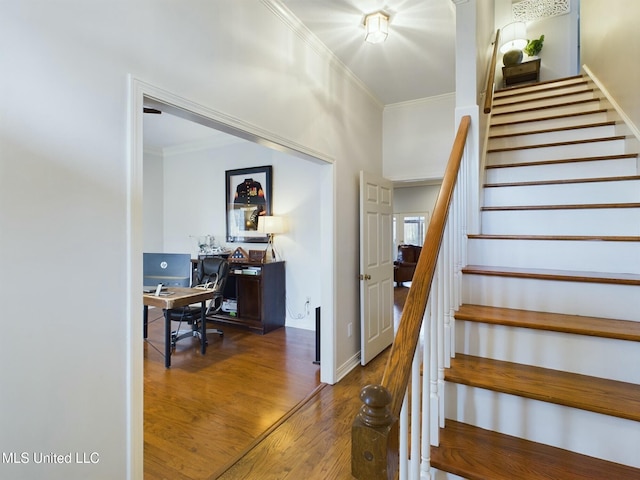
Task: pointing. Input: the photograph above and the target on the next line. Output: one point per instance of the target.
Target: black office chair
(212, 274)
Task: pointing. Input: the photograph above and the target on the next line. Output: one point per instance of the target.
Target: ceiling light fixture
(376, 26)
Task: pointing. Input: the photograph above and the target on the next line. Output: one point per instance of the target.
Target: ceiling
(416, 61)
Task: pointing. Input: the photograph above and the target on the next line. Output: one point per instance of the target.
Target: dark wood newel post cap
(374, 411)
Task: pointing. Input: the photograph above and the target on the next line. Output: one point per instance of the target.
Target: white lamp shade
(377, 27)
(271, 225)
(513, 36)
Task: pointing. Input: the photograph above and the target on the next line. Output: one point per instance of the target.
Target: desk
(178, 297)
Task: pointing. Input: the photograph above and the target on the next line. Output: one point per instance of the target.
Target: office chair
(211, 273)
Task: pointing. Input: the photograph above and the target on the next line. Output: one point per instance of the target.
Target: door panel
(376, 265)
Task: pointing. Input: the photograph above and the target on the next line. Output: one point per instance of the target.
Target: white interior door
(376, 265)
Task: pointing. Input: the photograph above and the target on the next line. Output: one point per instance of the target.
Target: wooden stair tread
(547, 107)
(586, 238)
(599, 395)
(549, 117)
(579, 206)
(565, 181)
(558, 275)
(564, 160)
(553, 130)
(557, 144)
(556, 322)
(498, 103)
(479, 454)
(540, 86)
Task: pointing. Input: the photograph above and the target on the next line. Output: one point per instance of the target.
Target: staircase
(545, 383)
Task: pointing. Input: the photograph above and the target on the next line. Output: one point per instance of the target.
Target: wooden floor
(251, 408)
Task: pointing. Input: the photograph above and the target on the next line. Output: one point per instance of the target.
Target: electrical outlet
(349, 329)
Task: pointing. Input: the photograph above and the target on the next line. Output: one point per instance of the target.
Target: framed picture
(248, 198)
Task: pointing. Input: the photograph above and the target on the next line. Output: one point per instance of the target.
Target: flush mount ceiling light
(376, 26)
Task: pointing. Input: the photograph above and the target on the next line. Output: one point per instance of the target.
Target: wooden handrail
(491, 78)
(374, 431)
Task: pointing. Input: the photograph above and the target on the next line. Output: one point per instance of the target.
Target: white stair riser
(592, 434)
(540, 102)
(569, 89)
(596, 221)
(564, 171)
(544, 112)
(581, 354)
(578, 150)
(623, 191)
(574, 298)
(581, 255)
(544, 88)
(552, 137)
(573, 120)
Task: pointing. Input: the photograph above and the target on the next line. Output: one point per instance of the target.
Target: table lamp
(271, 225)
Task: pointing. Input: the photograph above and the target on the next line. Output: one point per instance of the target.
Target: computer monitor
(169, 269)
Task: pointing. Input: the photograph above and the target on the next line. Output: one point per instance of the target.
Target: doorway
(143, 94)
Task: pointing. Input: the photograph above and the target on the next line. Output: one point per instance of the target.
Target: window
(413, 228)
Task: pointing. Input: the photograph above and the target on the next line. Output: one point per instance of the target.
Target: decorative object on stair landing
(514, 38)
(534, 46)
(528, 10)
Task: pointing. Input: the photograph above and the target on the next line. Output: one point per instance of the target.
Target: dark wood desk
(177, 297)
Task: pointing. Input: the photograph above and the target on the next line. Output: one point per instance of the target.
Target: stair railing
(382, 431)
(491, 76)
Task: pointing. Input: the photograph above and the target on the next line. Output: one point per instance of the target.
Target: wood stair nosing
(586, 238)
(538, 99)
(539, 93)
(567, 181)
(555, 275)
(581, 206)
(479, 454)
(555, 322)
(558, 161)
(610, 123)
(541, 86)
(593, 394)
(550, 117)
(557, 144)
(547, 107)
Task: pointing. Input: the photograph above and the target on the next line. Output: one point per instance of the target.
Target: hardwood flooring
(251, 408)
(205, 411)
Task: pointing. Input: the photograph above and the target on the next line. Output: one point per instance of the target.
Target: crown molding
(307, 36)
(420, 101)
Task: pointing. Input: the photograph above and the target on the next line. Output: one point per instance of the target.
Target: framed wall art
(248, 197)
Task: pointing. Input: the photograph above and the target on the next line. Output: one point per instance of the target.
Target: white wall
(194, 205)
(415, 199)
(417, 138)
(72, 367)
(610, 43)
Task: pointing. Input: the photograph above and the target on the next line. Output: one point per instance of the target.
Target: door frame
(140, 93)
